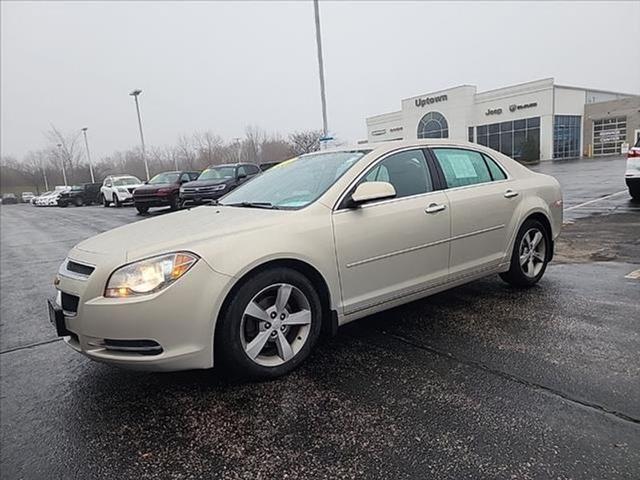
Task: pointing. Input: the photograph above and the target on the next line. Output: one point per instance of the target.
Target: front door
(392, 248)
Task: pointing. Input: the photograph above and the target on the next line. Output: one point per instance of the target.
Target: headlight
(122, 189)
(181, 189)
(219, 187)
(150, 275)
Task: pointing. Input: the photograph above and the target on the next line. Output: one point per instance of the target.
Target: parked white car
(118, 189)
(26, 197)
(632, 174)
(313, 243)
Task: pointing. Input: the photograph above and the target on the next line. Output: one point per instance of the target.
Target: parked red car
(162, 190)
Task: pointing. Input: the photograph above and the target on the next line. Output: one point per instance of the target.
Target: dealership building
(533, 120)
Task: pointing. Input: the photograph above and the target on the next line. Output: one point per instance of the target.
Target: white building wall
(388, 126)
(456, 108)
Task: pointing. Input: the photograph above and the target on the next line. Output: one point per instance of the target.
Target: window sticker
(462, 166)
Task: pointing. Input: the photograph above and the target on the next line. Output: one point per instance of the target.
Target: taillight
(634, 153)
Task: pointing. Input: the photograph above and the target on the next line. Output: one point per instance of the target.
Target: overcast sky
(221, 66)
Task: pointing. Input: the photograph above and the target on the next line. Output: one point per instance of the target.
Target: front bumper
(180, 320)
(124, 197)
(152, 201)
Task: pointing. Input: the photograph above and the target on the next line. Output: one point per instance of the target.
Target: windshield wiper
(266, 205)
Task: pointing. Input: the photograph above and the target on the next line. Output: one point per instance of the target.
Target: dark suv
(217, 181)
(79, 195)
(162, 190)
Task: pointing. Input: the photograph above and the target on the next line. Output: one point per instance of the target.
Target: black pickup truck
(79, 195)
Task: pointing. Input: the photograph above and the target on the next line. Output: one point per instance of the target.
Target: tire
(141, 209)
(78, 202)
(62, 204)
(105, 202)
(174, 204)
(529, 264)
(237, 330)
(116, 202)
(635, 193)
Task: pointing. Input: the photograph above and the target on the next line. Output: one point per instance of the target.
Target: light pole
(135, 94)
(237, 139)
(44, 174)
(64, 172)
(323, 99)
(86, 144)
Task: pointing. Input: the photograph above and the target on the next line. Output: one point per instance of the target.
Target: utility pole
(44, 174)
(86, 143)
(135, 94)
(323, 99)
(64, 172)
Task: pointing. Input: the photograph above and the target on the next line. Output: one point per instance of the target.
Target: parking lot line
(635, 275)
(595, 200)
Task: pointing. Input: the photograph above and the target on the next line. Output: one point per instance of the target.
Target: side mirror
(371, 191)
(241, 176)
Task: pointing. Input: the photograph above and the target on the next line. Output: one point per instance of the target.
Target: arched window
(433, 125)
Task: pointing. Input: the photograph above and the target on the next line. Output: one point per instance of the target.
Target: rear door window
(462, 167)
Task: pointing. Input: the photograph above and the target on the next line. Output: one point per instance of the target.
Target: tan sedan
(315, 242)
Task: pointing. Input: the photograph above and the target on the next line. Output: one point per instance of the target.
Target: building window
(471, 134)
(566, 136)
(433, 125)
(608, 135)
(519, 139)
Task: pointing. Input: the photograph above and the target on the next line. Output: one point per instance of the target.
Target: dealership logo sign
(513, 107)
(493, 111)
(421, 102)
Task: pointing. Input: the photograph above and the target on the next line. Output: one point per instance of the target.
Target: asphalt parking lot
(483, 381)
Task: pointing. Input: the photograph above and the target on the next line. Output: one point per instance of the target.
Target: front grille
(131, 189)
(202, 190)
(69, 302)
(79, 268)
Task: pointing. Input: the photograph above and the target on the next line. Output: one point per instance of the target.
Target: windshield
(297, 182)
(167, 177)
(119, 182)
(218, 173)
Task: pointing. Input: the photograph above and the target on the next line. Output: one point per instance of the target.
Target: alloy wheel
(275, 324)
(532, 253)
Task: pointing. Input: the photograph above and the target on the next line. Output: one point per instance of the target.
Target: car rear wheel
(270, 326)
(530, 255)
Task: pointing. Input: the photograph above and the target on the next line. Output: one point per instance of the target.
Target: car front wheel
(105, 202)
(530, 255)
(116, 201)
(270, 326)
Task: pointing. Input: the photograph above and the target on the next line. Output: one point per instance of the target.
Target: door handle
(434, 208)
(510, 194)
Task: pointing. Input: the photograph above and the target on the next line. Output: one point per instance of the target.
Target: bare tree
(186, 152)
(305, 141)
(207, 145)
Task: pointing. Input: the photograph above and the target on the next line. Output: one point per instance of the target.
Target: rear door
(483, 202)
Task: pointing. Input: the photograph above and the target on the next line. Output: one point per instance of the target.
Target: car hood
(207, 183)
(183, 230)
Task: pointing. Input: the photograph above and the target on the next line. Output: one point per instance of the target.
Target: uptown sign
(421, 102)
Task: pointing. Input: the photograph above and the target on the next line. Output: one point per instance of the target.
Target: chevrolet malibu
(251, 282)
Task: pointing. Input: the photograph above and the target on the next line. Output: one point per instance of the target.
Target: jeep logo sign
(421, 102)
